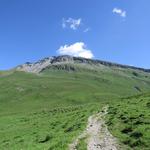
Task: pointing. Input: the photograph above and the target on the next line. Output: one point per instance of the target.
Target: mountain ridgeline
(70, 63)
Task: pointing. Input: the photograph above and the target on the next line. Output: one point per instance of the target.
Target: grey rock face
(35, 67)
(49, 62)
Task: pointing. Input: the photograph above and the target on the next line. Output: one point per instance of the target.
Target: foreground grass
(129, 121)
(82, 145)
(48, 129)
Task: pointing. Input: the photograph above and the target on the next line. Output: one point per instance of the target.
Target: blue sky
(112, 30)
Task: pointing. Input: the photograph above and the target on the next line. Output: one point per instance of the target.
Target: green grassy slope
(23, 92)
(129, 120)
(51, 129)
(46, 111)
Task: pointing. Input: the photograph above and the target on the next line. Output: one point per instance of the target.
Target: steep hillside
(44, 105)
(52, 88)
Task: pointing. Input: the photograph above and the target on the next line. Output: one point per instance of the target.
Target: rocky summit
(67, 62)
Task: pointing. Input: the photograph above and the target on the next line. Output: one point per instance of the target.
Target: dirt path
(97, 134)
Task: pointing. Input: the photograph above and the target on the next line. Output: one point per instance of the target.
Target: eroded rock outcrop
(57, 61)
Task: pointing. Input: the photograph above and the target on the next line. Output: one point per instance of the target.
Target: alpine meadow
(74, 75)
(49, 108)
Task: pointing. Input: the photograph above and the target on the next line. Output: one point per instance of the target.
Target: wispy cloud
(87, 30)
(78, 49)
(120, 12)
(71, 23)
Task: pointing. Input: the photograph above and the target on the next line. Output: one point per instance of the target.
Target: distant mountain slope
(108, 78)
(68, 80)
(63, 62)
(45, 105)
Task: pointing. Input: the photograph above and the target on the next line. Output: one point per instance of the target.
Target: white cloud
(78, 49)
(87, 30)
(71, 23)
(120, 12)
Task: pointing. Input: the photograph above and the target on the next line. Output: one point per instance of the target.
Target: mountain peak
(54, 61)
